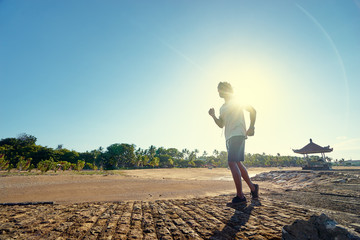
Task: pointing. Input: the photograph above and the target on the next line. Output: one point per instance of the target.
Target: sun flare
(252, 82)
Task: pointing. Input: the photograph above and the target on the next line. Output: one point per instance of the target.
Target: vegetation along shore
(22, 153)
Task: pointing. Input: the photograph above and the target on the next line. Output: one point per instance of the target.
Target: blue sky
(89, 73)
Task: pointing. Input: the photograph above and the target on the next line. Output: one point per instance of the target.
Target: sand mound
(292, 180)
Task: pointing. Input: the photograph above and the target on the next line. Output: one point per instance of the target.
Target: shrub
(56, 166)
(72, 166)
(31, 167)
(46, 165)
(4, 164)
(79, 165)
(9, 167)
(64, 165)
(92, 166)
(23, 164)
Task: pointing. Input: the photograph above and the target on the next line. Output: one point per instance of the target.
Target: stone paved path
(199, 218)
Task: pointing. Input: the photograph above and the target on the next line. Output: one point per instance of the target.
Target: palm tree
(151, 152)
(204, 154)
(216, 153)
(186, 153)
(154, 162)
(196, 152)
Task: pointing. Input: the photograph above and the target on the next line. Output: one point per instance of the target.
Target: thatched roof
(313, 148)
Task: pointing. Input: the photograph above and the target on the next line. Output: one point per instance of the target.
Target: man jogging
(232, 117)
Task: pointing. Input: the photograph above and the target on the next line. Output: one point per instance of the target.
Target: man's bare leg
(236, 173)
(245, 175)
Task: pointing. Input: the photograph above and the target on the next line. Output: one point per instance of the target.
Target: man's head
(225, 89)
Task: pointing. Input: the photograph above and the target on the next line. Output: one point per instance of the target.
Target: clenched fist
(212, 112)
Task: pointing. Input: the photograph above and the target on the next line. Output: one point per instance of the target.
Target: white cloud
(341, 138)
(350, 144)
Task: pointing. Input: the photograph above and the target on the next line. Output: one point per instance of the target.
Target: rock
(317, 228)
(299, 230)
(356, 226)
(351, 179)
(339, 181)
(6, 228)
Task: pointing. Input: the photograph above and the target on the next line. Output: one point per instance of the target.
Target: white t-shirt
(232, 115)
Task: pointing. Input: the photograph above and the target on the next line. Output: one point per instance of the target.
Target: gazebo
(312, 148)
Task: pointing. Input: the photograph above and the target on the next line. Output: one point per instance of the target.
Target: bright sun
(251, 81)
(255, 83)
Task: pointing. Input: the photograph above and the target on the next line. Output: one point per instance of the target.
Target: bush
(92, 166)
(4, 164)
(72, 166)
(10, 166)
(23, 164)
(64, 165)
(56, 166)
(46, 165)
(79, 165)
(31, 167)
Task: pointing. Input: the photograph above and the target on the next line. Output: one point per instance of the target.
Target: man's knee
(232, 164)
(241, 165)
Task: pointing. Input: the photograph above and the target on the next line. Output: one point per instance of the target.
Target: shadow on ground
(237, 221)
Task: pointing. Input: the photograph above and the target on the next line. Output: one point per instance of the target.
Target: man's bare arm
(252, 111)
(218, 121)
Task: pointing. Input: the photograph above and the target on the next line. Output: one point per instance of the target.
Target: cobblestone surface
(199, 218)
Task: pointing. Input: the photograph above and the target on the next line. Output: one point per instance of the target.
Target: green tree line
(24, 154)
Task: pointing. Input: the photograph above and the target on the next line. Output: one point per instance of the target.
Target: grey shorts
(236, 149)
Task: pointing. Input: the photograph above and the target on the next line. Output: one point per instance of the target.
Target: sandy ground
(174, 204)
(142, 184)
(194, 173)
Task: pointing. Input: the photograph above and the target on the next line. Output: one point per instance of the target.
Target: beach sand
(140, 184)
(173, 204)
